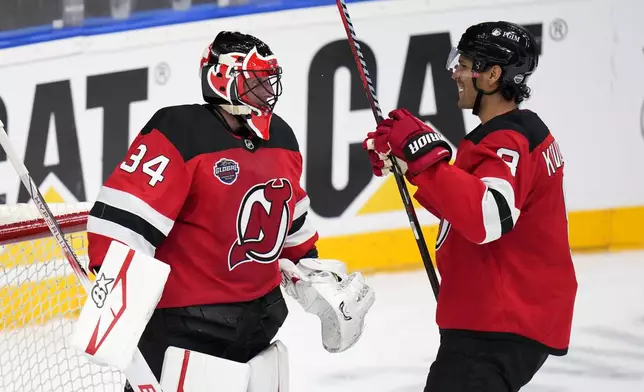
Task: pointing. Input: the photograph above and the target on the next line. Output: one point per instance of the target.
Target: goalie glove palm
(322, 287)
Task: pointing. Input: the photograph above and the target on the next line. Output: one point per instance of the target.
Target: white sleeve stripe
(305, 233)
(491, 219)
(132, 204)
(115, 231)
(301, 207)
(491, 216)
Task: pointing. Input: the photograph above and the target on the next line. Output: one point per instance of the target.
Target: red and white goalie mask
(249, 83)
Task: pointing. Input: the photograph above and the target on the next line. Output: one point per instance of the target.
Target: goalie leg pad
(192, 371)
(269, 370)
(120, 303)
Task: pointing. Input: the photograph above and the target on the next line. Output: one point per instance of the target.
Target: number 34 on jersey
(153, 167)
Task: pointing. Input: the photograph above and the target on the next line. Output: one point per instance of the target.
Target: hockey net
(40, 298)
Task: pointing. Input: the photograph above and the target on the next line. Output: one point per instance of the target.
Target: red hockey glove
(408, 139)
(380, 163)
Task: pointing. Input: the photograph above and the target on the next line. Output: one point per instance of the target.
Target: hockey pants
(237, 331)
(472, 364)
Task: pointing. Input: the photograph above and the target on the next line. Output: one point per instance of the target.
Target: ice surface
(401, 339)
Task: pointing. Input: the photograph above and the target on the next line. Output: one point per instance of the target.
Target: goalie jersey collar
(196, 129)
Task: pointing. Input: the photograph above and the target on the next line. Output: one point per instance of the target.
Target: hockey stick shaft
(139, 373)
(370, 91)
(43, 208)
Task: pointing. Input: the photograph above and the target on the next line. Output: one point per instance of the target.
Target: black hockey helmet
(506, 44)
(240, 73)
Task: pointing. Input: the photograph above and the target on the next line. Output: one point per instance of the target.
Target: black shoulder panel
(281, 135)
(192, 129)
(195, 130)
(525, 122)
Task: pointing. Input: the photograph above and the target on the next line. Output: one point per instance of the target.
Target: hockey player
(213, 190)
(508, 283)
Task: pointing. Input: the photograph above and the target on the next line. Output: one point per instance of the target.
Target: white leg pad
(192, 371)
(269, 370)
(119, 305)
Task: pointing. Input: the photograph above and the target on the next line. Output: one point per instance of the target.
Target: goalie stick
(370, 91)
(138, 373)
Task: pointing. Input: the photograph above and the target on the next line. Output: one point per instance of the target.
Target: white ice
(401, 338)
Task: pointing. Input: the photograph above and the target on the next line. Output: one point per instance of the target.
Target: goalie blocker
(224, 346)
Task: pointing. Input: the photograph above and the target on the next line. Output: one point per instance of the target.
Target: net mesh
(40, 298)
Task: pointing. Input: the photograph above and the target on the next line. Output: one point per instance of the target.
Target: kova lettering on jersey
(553, 158)
(263, 221)
(226, 170)
(419, 64)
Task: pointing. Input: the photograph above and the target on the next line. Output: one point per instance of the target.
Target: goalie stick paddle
(370, 91)
(138, 373)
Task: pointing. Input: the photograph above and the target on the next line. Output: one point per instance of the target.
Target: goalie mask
(240, 74)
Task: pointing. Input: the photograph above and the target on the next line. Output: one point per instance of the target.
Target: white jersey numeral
(514, 159)
(156, 174)
(136, 159)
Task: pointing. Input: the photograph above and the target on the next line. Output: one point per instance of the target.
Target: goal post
(40, 297)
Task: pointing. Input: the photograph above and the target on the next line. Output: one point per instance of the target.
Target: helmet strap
(479, 97)
(241, 112)
(477, 102)
(236, 110)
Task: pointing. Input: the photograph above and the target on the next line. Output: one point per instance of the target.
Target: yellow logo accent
(387, 198)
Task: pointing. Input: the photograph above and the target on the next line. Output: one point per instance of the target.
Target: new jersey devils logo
(262, 223)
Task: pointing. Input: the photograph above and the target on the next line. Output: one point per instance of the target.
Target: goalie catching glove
(322, 287)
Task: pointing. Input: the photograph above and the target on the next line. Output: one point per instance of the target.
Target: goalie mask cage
(40, 298)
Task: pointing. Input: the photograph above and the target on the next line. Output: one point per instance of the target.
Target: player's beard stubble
(466, 93)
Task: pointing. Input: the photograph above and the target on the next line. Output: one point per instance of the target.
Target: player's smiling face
(463, 77)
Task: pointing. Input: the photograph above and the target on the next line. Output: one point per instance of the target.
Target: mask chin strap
(243, 113)
(479, 97)
(236, 110)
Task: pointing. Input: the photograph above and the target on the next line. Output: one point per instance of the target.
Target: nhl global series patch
(226, 170)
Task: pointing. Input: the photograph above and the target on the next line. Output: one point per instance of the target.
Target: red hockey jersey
(502, 248)
(220, 209)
